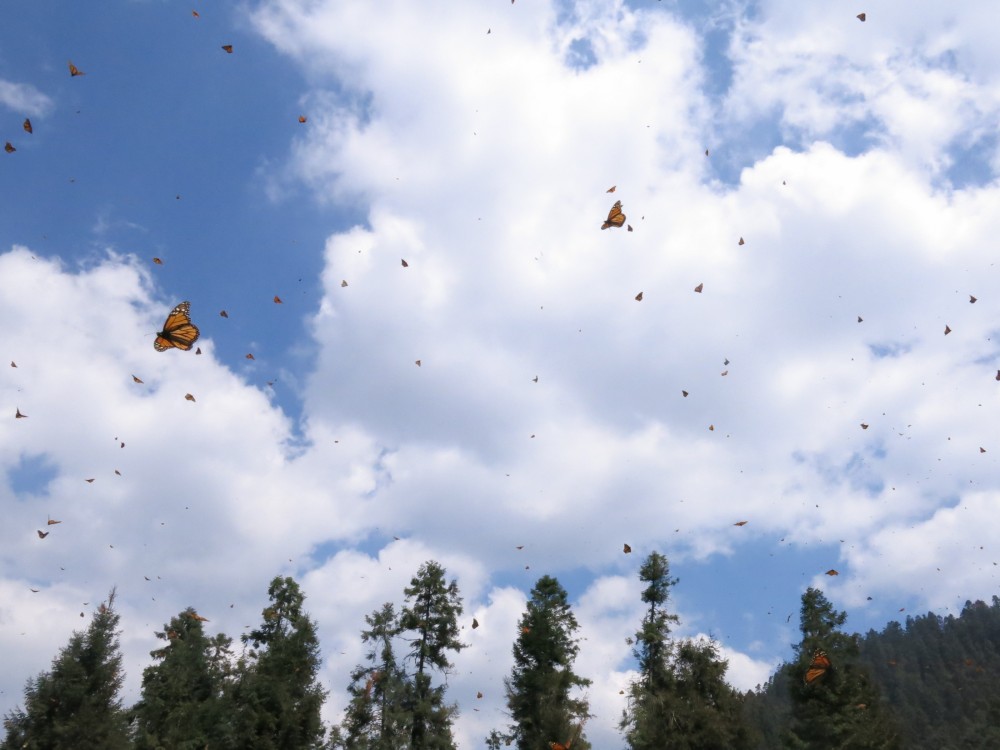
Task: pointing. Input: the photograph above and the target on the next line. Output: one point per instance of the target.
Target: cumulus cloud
(484, 160)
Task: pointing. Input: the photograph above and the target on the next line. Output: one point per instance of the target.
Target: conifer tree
(841, 708)
(277, 692)
(680, 699)
(541, 684)
(429, 624)
(375, 718)
(183, 703)
(76, 703)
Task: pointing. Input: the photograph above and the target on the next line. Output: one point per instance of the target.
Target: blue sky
(858, 161)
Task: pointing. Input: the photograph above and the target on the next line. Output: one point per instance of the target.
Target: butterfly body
(178, 330)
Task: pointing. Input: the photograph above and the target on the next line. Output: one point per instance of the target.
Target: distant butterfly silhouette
(818, 667)
(615, 217)
(27, 126)
(178, 330)
(228, 48)
(75, 71)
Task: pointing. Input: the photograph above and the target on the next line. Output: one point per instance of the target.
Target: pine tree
(76, 703)
(183, 703)
(542, 680)
(842, 707)
(277, 693)
(430, 617)
(680, 699)
(375, 718)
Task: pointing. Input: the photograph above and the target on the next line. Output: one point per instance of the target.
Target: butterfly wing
(615, 217)
(818, 667)
(178, 330)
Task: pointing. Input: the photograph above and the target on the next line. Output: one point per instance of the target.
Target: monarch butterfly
(818, 667)
(42, 534)
(27, 126)
(9, 148)
(228, 48)
(615, 217)
(75, 71)
(302, 118)
(626, 549)
(178, 330)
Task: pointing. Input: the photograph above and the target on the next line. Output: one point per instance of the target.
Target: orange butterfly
(626, 549)
(75, 71)
(228, 48)
(189, 397)
(818, 667)
(136, 380)
(27, 126)
(178, 330)
(158, 261)
(302, 118)
(615, 217)
(9, 148)
(277, 300)
(862, 17)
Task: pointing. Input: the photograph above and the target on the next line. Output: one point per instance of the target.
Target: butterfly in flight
(27, 126)
(178, 330)
(615, 217)
(75, 71)
(818, 667)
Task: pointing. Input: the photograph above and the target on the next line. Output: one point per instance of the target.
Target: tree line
(200, 693)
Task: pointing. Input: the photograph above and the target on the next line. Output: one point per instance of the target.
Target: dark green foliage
(429, 624)
(183, 703)
(75, 704)
(681, 699)
(375, 718)
(841, 709)
(276, 690)
(541, 682)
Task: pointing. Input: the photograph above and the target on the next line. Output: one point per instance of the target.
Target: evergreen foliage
(936, 675)
(76, 704)
(843, 708)
(375, 718)
(183, 703)
(429, 625)
(539, 689)
(276, 688)
(680, 699)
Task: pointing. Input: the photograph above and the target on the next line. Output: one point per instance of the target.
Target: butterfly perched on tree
(178, 330)
(615, 217)
(818, 667)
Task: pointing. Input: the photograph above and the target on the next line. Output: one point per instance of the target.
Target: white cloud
(24, 99)
(483, 160)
